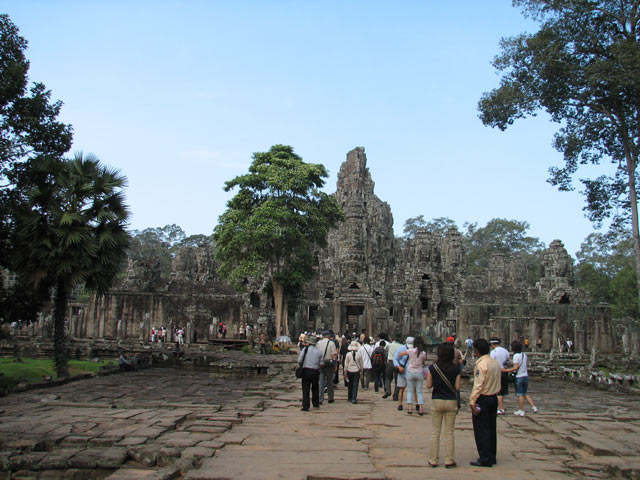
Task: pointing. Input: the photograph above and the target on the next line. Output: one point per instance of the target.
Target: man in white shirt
(366, 351)
(328, 366)
(501, 354)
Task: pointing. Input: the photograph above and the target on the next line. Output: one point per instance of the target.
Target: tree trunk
(59, 334)
(633, 200)
(285, 314)
(278, 300)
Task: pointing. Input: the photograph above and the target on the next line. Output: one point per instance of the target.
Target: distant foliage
(438, 225)
(606, 268)
(158, 246)
(503, 236)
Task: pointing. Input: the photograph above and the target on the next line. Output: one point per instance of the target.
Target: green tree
(73, 233)
(29, 130)
(157, 246)
(438, 225)
(274, 224)
(583, 68)
(504, 236)
(606, 269)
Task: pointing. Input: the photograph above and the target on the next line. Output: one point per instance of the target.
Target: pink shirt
(416, 361)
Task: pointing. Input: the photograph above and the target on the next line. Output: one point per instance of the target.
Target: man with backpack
(328, 366)
(379, 364)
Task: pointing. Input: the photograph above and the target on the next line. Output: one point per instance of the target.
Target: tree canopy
(606, 269)
(72, 233)
(275, 223)
(583, 68)
(438, 225)
(504, 236)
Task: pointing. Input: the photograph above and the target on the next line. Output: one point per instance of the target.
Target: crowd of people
(384, 362)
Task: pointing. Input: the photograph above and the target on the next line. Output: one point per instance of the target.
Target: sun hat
(312, 340)
(450, 339)
(409, 341)
(354, 346)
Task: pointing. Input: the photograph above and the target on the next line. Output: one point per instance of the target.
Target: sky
(178, 95)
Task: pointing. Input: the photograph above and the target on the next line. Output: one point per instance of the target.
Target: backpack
(377, 359)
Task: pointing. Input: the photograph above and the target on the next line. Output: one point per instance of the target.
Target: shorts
(504, 384)
(522, 386)
(401, 382)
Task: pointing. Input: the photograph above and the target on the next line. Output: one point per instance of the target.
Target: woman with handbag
(444, 377)
(415, 376)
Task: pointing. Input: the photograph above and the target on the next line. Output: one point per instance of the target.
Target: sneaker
(535, 409)
(500, 412)
(519, 413)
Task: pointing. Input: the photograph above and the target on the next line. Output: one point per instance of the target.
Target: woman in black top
(444, 377)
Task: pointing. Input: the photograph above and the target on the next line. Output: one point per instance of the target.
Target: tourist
(569, 345)
(125, 363)
(522, 378)
(263, 342)
(414, 375)
(502, 356)
(401, 381)
(366, 350)
(444, 377)
(391, 372)
(469, 343)
(154, 335)
(526, 343)
(459, 359)
(310, 358)
(379, 364)
(539, 344)
(328, 365)
(353, 367)
(483, 402)
(344, 348)
(363, 337)
(336, 373)
(180, 335)
(224, 330)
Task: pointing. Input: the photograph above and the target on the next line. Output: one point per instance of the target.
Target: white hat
(354, 346)
(409, 341)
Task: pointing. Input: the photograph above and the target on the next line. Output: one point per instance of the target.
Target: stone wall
(367, 278)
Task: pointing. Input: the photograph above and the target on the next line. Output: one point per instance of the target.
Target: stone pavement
(163, 423)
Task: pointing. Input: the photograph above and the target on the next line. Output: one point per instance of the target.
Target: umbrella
(283, 339)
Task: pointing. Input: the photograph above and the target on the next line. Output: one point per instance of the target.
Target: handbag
(299, 368)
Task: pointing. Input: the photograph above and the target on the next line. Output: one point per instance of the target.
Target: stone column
(337, 319)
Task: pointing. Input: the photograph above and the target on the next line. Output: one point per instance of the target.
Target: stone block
(198, 452)
(57, 459)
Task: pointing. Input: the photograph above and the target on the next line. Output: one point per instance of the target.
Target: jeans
(326, 381)
(415, 380)
(310, 381)
(443, 410)
(389, 374)
(367, 377)
(522, 386)
(377, 379)
(354, 378)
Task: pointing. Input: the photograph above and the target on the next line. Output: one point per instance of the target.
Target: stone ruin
(365, 278)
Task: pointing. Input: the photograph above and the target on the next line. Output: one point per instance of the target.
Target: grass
(33, 370)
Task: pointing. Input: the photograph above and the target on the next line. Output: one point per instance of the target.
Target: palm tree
(71, 232)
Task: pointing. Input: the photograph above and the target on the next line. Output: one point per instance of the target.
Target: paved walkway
(158, 424)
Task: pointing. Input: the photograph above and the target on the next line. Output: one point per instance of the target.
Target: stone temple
(365, 278)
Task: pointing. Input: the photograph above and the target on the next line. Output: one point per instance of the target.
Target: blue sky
(179, 94)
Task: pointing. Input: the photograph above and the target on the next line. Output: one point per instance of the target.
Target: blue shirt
(396, 359)
(313, 359)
